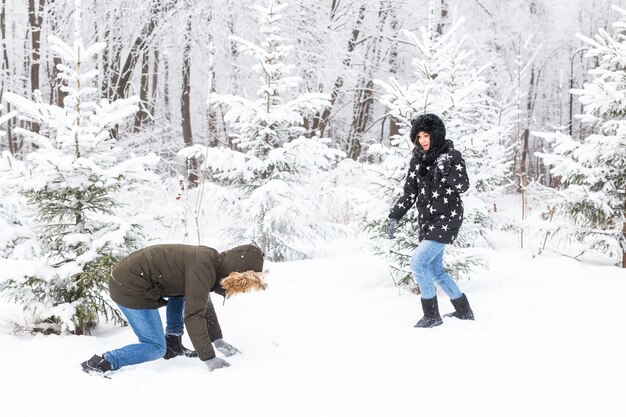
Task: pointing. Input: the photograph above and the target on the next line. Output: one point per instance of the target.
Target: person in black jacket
(436, 178)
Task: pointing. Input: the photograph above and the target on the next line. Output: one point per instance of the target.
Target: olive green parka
(145, 277)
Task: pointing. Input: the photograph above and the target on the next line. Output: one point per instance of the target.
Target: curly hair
(240, 282)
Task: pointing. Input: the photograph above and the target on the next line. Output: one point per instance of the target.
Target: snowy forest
(125, 123)
(266, 112)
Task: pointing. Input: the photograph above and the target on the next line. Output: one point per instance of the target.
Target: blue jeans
(148, 327)
(175, 325)
(427, 267)
(149, 330)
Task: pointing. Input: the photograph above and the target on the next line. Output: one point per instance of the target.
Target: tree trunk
(5, 75)
(444, 17)
(234, 53)
(166, 88)
(185, 107)
(624, 245)
(530, 104)
(35, 18)
(394, 127)
(321, 121)
(363, 103)
(56, 95)
(155, 83)
(141, 116)
(4, 65)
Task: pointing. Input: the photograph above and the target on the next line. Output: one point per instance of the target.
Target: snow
(333, 336)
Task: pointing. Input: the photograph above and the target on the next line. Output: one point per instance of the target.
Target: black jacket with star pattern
(439, 205)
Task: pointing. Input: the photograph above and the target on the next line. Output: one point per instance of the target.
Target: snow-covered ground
(333, 337)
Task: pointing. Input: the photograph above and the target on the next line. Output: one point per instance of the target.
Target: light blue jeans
(147, 325)
(427, 267)
(175, 325)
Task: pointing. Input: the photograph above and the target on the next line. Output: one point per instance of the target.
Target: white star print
(401, 205)
(449, 191)
(445, 227)
(432, 210)
(445, 200)
(412, 175)
(423, 192)
(453, 213)
(459, 167)
(442, 216)
(431, 227)
(458, 186)
(412, 196)
(435, 194)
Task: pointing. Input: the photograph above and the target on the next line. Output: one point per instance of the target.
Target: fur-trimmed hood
(431, 124)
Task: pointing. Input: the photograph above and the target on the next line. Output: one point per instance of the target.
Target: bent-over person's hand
(225, 348)
(216, 363)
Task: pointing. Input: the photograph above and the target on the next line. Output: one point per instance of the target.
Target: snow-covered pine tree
(592, 201)
(272, 167)
(451, 84)
(13, 231)
(73, 178)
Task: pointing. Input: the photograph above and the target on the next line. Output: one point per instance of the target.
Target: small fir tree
(272, 168)
(592, 198)
(448, 82)
(73, 181)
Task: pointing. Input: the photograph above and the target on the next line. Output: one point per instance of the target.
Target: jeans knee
(161, 348)
(418, 264)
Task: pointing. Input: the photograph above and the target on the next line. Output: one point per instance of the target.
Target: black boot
(431, 313)
(463, 311)
(175, 348)
(96, 364)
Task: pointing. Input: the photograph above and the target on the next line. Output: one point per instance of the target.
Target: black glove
(216, 363)
(225, 348)
(391, 227)
(443, 164)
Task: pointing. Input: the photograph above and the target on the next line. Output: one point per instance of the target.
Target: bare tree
(444, 17)
(321, 121)
(185, 106)
(364, 95)
(394, 127)
(57, 95)
(5, 73)
(35, 19)
(142, 115)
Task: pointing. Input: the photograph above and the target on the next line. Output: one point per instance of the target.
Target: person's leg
(421, 265)
(443, 279)
(174, 325)
(174, 329)
(148, 327)
(462, 309)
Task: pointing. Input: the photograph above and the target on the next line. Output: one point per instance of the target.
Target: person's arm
(196, 303)
(457, 176)
(406, 201)
(212, 324)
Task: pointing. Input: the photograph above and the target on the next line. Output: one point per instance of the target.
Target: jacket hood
(240, 259)
(431, 124)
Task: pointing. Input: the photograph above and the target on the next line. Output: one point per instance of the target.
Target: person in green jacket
(140, 283)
